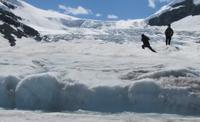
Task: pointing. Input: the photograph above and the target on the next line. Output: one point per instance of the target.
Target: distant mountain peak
(174, 11)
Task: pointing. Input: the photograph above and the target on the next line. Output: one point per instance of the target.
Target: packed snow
(103, 76)
(86, 116)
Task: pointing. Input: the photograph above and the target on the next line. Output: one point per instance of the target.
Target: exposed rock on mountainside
(12, 28)
(175, 11)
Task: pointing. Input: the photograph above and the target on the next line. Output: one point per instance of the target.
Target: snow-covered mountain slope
(174, 11)
(48, 21)
(55, 26)
(42, 19)
(11, 27)
(190, 23)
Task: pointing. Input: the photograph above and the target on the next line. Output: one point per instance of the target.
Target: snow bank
(145, 96)
(148, 96)
(45, 92)
(75, 96)
(180, 100)
(108, 99)
(38, 92)
(142, 74)
(7, 91)
(170, 73)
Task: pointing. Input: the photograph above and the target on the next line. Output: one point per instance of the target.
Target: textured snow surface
(37, 92)
(7, 92)
(84, 116)
(100, 66)
(103, 76)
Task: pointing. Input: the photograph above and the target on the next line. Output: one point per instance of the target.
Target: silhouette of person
(169, 33)
(145, 40)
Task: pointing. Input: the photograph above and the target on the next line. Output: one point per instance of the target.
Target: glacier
(45, 92)
(99, 67)
(102, 74)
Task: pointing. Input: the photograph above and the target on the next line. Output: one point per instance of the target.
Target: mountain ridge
(174, 11)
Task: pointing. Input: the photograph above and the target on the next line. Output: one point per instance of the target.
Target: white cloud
(165, 0)
(98, 15)
(152, 3)
(75, 11)
(112, 16)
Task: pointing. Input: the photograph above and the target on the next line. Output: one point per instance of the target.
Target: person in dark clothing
(169, 33)
(146, 43)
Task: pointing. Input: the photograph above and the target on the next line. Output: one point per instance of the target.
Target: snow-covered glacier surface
(86, 116)
(84, 69)
(101, 74)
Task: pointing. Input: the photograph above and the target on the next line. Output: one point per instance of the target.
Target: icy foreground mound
(37, 92)
(45, 92)
(7, 91)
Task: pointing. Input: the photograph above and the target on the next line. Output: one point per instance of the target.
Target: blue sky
(102, 9)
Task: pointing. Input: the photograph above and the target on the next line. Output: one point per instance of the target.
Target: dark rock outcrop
(12, 28)
(178, 11)
(9, 5)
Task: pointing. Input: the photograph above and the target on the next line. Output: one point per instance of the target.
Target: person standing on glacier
(168, 34)
(145, 39)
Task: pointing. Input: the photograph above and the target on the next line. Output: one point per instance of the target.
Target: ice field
(98, 71)
(102, 76)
